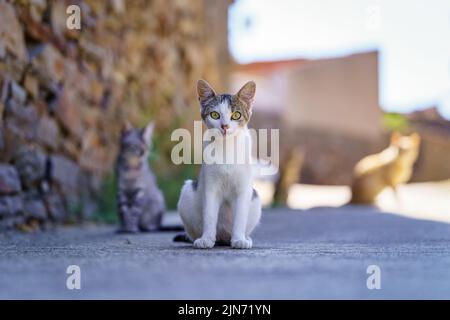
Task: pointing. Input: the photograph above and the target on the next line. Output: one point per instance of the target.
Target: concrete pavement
(316, 253)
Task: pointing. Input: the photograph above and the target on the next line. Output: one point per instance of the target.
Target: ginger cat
(389, 168)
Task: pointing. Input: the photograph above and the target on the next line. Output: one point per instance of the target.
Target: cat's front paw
(242, 243)
(204, 243)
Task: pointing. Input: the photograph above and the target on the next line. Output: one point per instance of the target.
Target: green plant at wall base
(107, 212)
(395, 122)
(171, 184)
(170, 177)
(73, 211)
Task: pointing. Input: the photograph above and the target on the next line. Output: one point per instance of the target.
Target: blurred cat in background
(389, 168)
(140, 203)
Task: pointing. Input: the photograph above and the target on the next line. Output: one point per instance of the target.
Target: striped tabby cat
(140, 203)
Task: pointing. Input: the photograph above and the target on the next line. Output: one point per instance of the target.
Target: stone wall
(65, 93)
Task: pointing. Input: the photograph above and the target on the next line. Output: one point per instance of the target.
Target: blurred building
(434, 158)
(328, 107)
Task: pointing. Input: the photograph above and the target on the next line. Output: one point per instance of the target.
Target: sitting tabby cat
(222, 206)
(140, 202)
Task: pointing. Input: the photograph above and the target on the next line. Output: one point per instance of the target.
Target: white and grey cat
(222, 205)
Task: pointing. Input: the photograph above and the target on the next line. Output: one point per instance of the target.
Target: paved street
(317, 253)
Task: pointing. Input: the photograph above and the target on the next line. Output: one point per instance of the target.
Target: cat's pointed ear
(247, 93)
(395, 138)
(147, 132)
(204, 91)
(126, 126)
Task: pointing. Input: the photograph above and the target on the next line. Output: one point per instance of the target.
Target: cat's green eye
(215, 115)
(236, 115)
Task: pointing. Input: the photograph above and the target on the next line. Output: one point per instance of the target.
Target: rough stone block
(33, 206)
(47, 132)
(9, 223)
(10, 206)
(21, 119)
(11, 31)
(68, 112)
(64, 172)
(31, 164)
(9, 180)
(32, 85)
(18, 93)
(55, 206)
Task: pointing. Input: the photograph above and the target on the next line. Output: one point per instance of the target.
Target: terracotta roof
(265, 67)
(431, 113)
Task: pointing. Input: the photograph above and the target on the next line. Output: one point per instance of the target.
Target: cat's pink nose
(225, 127)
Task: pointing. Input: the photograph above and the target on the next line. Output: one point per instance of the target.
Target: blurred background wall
(65, 93)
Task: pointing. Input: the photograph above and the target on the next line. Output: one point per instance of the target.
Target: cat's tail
(182, 237)
(170, 228)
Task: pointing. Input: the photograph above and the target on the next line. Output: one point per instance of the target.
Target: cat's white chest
(233, 172)
(228, 179)
(230, 175)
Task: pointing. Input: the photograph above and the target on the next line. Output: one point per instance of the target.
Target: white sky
(413, 38)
